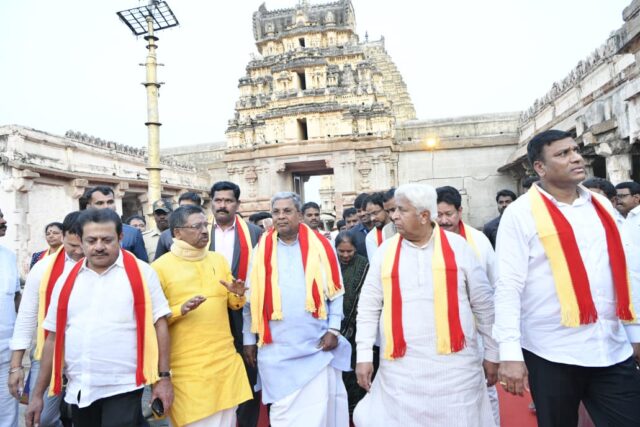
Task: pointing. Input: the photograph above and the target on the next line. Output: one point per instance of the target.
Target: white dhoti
(226, 418)
(495, 403)
(322, 402)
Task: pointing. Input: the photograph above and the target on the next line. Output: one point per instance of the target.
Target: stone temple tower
(315, 101)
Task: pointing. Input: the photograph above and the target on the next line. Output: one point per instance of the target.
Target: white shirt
(527, 307)
(24, 331)
(371, 241)
(630, 231)
(487, 256)
(225, 240)
(475, 300)
(9, 286)
(100, 340)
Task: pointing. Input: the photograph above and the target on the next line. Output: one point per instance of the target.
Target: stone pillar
(119, 191)
(76, 189)
(19, 233)
(618, 168)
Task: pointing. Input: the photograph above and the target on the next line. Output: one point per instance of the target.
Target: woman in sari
(354, 268)
(53, 234)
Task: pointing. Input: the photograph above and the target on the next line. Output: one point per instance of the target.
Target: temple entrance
(313, 181)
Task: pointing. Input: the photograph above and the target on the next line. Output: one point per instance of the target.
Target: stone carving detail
(124, 149)
(365, 169)
(580, 71)
(251, 177)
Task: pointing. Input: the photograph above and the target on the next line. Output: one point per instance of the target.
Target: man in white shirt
(558, 324)
(390, 207)
(107, 323)
(430, 372)
(27, 322)
(450, 218)
(374, 205)
(627, 197)
(9, 301)
(226, 240)
(606, 188)
(628, 204)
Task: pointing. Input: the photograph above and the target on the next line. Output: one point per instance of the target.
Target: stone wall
(462, 152)
(43, 175)
(597, 101)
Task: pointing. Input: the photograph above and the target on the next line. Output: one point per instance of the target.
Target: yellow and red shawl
(569, 273)
(52, 273)
(379, 238)
(449, 335)
(147, 344)
(322, 279)
(468, 236)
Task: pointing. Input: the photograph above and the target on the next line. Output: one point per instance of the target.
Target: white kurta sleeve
(512, 255)
(369, 310)
(480, 300)
(27, 320)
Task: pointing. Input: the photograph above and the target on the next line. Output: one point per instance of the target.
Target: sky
(72, 65)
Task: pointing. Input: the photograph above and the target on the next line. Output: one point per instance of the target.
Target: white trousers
(320, 403)
(8, 404)
(226, 418)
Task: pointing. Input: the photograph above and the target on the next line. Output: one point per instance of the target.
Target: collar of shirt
(233, 226)
(633, 212)
(584, 196)
(295, 242)
(413, 245)
(119, 262)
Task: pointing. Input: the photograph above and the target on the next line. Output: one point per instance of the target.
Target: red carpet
(514, 410)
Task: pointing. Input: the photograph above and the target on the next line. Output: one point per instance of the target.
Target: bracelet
(334, 332)
(16, 369)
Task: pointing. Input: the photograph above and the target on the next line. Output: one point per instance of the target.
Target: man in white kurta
(25, 330)
(424, 387)
(9, 291)
(301, 370)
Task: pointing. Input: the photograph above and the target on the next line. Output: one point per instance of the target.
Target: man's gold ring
(503, 383)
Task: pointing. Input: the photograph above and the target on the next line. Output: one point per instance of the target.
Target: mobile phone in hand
(157, 407)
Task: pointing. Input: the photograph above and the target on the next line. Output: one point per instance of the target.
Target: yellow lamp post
(147, 20)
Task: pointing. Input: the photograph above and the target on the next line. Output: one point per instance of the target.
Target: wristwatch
(164, 374)
(334, 332)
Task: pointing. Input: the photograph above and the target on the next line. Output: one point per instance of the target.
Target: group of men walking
(231, 314)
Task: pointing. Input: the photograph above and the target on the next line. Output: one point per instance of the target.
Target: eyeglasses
(622, 196)
(197, 226)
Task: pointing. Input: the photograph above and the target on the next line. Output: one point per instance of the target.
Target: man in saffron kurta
(209, 378)
(37, 294)
(429, 298)
(296, 310)
(106, 331)
(562, 294)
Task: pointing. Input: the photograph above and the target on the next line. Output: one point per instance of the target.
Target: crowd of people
(404, 315)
